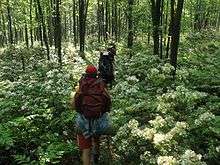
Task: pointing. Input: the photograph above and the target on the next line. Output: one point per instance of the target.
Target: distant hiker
(106, 65)
(112, 51)
(91, 101)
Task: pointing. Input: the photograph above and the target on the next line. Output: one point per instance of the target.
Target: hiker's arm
(76, 101)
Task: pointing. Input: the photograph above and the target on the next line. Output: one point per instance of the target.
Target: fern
(24, 160)
(5, 137)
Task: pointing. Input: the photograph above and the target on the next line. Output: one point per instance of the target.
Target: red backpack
(92, 100)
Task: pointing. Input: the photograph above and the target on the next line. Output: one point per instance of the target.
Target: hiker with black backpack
(106, 65)
(92, 102)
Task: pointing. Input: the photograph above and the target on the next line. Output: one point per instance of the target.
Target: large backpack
(93, 99)
(106, 68)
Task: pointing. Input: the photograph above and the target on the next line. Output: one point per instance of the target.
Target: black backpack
(106, 68)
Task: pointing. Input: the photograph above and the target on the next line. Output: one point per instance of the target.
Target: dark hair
(93, 75)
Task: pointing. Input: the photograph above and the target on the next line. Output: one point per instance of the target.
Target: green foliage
(167, 120)
(6, 139)
(24, 160)
(35, 108)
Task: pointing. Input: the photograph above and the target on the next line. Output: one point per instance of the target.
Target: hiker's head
(91, 71)
(112, 45)
(112, 49)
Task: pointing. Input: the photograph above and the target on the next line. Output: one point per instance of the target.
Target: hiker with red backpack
(92, 102)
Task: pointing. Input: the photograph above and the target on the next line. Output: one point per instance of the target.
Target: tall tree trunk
(106, 19)
(31, 26)
(102, 19)
(50, 22)
(155, 12)
(161, 29)
(166, 23)
(16, 36)
(1, 34)
(27, 45)
(38, 30)
(130, 25)
(64, 31)
(176, 33)
(119, 24)
(218, 22)
(83, 7)
(172, 13)
(58, 31)
(99, 21)
(198, 16)
(10, 32)
(4, 30)
(45, 38)
(26, 35)
(74, 23)
(115, 21)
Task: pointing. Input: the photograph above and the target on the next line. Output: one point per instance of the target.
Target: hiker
(106, 65)
(112, 52)
(91, 101)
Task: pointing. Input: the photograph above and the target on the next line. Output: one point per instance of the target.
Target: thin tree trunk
(99, 21)
(50, 23)
(38, 29)
(26, 35)
(103, 20)
(119, 24)
(172, 13)
(65, 27)
(74, 23)
(106, 19)
(82, 27)
(155, 11)
(45, 38)
(166, 23)
(130, 25)
(4, 30)
(58, 32)
(10, 32)
(1, 34)
(161, 29)
(176, 34)
(115, 21)
(218, 22)
(83, 7)
(16, 38)
(31, 26)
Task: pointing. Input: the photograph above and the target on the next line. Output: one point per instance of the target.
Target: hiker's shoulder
(100, 80)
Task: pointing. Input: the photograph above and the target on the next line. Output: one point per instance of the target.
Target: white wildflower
(166, 160)
(154, 71)
(179, 129)
(159, 138)
(132, 79)
(204, 118)
(133, 124)
(190, 157)
(148, 133)
(158, 122)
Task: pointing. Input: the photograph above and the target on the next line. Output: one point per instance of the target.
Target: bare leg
(86, 156)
